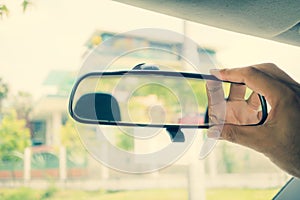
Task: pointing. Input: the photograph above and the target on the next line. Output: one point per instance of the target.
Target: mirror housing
(102, 106)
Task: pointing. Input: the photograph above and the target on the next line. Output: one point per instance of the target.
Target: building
(50, 112)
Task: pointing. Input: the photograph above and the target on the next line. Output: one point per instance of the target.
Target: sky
(51, 35)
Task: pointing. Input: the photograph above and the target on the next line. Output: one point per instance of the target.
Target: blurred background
(42, 47)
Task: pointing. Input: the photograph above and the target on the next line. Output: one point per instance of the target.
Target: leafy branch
(5, 11)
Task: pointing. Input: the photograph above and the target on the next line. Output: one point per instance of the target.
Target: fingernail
(215, 72)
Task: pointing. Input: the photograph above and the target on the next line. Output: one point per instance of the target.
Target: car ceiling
(271, 19)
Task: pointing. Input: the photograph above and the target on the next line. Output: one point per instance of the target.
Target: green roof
(61, 79)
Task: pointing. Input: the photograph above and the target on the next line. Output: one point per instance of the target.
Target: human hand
(279, 137)
(234, 109)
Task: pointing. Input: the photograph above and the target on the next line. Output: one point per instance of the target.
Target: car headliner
(270, 19)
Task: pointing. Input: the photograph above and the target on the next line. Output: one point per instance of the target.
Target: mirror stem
(176, 134)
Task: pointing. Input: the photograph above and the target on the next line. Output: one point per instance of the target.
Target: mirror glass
(155, 100)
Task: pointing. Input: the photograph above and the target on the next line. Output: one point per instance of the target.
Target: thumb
(250, 136)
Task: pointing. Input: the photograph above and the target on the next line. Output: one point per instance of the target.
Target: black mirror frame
(161, 73)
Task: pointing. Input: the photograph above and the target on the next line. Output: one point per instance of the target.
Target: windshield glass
(43, 45)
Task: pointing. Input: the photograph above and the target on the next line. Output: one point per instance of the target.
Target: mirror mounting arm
(143, 66)
(175, 133)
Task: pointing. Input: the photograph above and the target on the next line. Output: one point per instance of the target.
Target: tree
(125, 142)
(228, 159)
(14, 136)
(3, 92)
(70, 139)
(23, 103)
(5, 11)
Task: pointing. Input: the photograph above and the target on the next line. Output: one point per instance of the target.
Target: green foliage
(15, 137)
(3, 85)
(125, 142)
(25, 4)
(23, 104)
(163, 194)
(5, 11)
(44, 160)
(20, 194)
(228, 159)
(69, 136)
(70, 139)
(49, 192)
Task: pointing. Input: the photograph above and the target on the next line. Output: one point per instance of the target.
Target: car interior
(66, 134)
(274, 21)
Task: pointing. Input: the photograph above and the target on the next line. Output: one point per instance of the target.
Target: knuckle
(250, 71)
(213, 118)
(225, 72)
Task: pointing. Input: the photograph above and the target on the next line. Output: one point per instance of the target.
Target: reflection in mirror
(142, 99)
(153, 99)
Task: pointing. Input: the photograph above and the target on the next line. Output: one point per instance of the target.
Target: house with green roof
(50, 111)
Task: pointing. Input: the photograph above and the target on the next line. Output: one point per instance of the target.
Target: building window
(39, 132)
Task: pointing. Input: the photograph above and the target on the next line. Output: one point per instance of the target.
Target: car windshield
(45, 154)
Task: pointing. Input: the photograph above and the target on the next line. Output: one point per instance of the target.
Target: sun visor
(290, 36)
(265, 19)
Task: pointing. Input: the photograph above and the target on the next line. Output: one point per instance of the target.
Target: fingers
(253, 101)
(214, 132)
(216, 102)
(215, 92)
(259, 115)
(237, 92)
(255, 79)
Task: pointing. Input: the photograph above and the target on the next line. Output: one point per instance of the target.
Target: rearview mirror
(151, 98)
